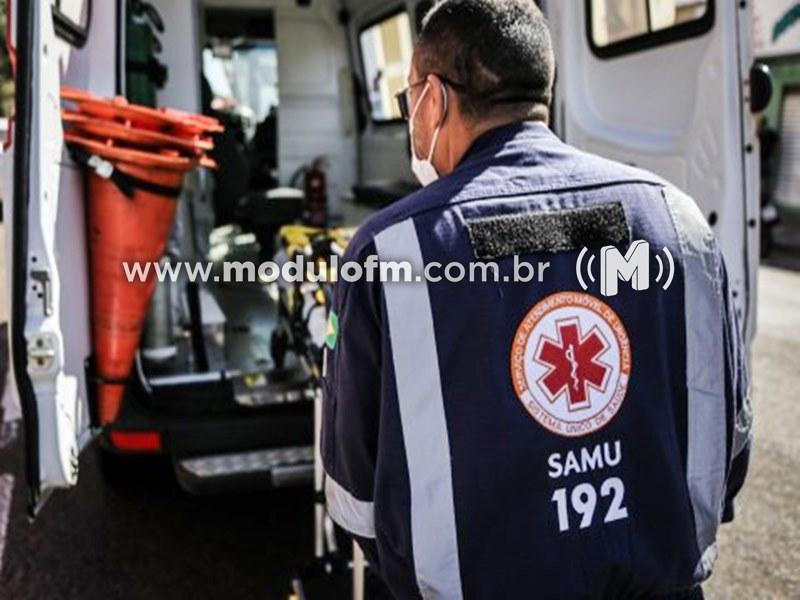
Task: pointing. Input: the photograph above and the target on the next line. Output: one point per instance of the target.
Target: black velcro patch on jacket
(559, 231)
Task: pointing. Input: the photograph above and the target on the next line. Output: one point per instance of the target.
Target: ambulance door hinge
(42, 353)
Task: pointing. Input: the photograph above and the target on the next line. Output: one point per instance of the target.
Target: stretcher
(303, 309)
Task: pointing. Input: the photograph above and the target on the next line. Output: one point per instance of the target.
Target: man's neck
(480, 128)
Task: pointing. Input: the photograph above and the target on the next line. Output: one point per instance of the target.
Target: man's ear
(435, 104)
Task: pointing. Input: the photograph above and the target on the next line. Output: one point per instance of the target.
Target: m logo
(633, 267)
(570, 363)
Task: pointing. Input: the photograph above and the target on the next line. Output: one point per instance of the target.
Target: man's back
(535, 435)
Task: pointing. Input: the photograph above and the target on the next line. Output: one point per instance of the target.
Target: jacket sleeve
(738, 391)
(707, 265)
(352, 388)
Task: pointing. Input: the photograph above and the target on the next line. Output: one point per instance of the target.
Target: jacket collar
(496, 138)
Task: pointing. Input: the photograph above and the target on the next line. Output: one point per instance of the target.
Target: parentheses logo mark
(634, 267)
(578, 264)
(671, 264)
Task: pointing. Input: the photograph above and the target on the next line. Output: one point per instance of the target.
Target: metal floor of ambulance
(251, 317)
(245, 315)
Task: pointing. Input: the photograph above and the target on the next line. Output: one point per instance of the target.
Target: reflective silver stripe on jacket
(350, 513)
(705, 372)
(419, 393)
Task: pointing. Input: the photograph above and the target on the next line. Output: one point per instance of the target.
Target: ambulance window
(71, 20)
(386, 54)
(618, 27)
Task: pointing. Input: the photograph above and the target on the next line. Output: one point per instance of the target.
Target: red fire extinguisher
(316, 194)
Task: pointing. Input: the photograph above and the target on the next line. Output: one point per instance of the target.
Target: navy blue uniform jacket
(537, 439)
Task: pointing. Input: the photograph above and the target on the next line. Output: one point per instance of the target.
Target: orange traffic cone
(132, 230)
(118, 109)
(126, 133)
(135, 158)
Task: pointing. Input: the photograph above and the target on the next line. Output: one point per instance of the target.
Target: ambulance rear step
(275, 468)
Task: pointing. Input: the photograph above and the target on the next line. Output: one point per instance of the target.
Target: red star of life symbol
(573, 362)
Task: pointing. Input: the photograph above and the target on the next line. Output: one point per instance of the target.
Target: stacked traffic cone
(135, 158)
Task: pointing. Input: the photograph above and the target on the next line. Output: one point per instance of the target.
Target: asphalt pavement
(144, 538)
(760, 550)
(147, 539)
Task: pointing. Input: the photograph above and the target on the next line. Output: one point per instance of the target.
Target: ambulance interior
(305, 91)
(286, 81)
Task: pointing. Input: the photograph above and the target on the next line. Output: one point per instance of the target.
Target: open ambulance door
(70, 42)
(663, 85)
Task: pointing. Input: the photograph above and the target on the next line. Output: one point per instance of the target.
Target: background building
(776, 38)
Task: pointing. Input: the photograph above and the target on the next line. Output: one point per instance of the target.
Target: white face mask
(423, 169)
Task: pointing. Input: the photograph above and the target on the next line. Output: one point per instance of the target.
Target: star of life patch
(571, 363)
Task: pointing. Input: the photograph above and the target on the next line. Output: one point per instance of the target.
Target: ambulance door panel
(50, 324)
(314, 84)
(659, 84)
(93, 68)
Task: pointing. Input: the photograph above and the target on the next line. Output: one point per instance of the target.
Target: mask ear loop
(439, 126)
(416, 106)
(413, 116)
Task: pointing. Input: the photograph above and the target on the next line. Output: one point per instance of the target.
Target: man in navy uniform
(509, 439)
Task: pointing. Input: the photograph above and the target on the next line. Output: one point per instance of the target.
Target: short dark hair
(500, 51)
